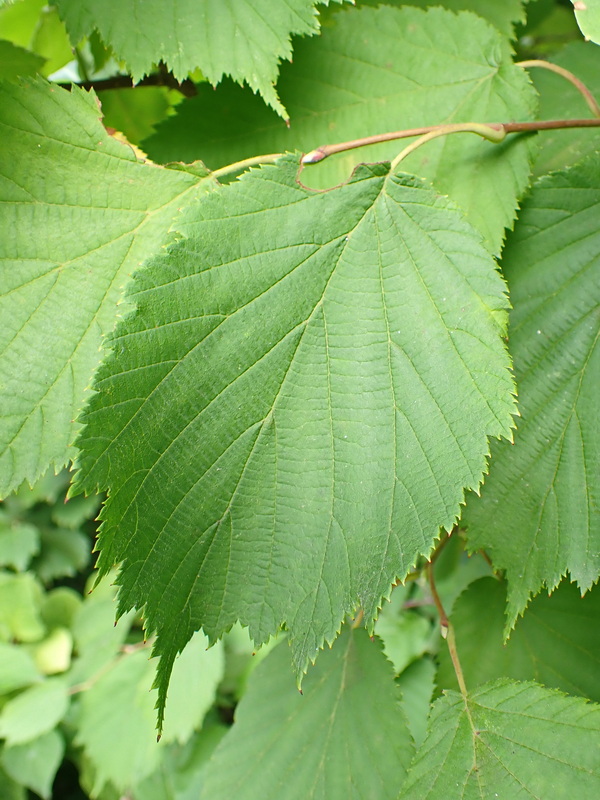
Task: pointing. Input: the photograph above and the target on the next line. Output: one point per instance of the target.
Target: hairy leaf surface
(79, 214)
(321, 744)
(244, 40)
(538, 515)
(374, 71)
(557, 642)
(276, 422)
(508, 740)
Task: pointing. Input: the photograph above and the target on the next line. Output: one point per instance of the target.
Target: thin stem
(488, 132)
(447, 631)
(500, 128)
(237, 166)
(577, 83)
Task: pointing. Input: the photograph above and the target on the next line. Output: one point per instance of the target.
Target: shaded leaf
(374, 71)
(16, 61)
(35, 763)
(117, 723)
(417, 684)
(538, 512)
(80, 214)
(557, 642)
(276, 422)
(509, 740)
(559, 99)
(323, 743)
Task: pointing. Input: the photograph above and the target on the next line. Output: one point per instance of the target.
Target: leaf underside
(520, 741)
(538, 512)
(276, 422)
(79, 215)
(375, 71)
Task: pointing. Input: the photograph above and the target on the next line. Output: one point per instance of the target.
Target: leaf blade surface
(276, 421)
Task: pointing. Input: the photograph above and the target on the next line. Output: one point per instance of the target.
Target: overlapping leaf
(508, 740)
(559, 99)
(323, 744)
(503, 15)
(557, 643)
(244, 40)
(377, 70)
(79, 215)
(538, 513)
(276, 423)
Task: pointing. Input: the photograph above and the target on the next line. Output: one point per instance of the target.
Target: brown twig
(186, 87)
(326, 150)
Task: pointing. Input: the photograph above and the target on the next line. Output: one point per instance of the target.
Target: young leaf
(378, 70)
(538, 511)
(323, 744)
(244, 40)
(79, 215)
(508, 740)
(557, 642)
(276, 422)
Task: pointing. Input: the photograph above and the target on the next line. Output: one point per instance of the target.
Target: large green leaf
(373, 71)
(79, 215)
(323, 744)
(559, 99)
(508, 740)
(557, 643)
(502, 14)
(244, 40)
(275, 424)
(538, 511)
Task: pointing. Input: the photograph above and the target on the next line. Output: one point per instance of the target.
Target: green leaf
(35, 763)
(508, 740)
(196, 675)
(587, 15)
(9, 789)
(117, 723)
(405, 633)
(504, 15)
(16, 668)
(20, 600)
(19, 542)
(63, 553)
(79, 215)
(538, 515)
(559, 99)
(244, 40)
(16, 61)
(295, 359)
(320, 744)
(97, 639)
(557, 642)
(35, 711)
(417, 684)
(374, 71)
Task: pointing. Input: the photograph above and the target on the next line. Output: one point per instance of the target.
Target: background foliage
(279, 383)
